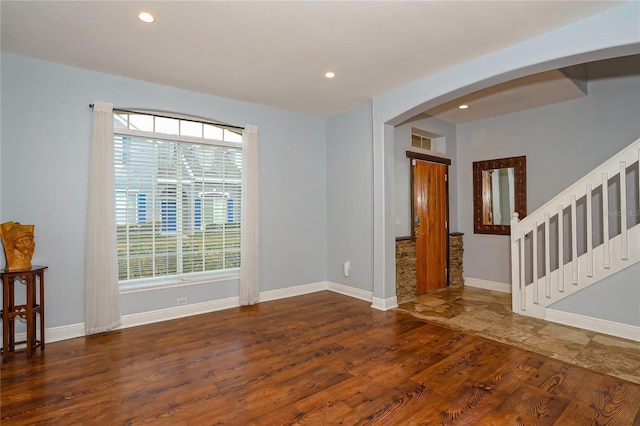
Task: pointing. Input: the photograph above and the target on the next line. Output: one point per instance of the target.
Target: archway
(606, 35)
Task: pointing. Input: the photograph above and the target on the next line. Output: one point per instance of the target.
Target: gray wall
(402, 138)
(349, 209)
(562, 143)
(46, 128)
(618, 298)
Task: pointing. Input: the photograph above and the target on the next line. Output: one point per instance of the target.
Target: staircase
(579, 237)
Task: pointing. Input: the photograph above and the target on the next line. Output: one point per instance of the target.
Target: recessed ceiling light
(463, 106)
(146, 17)
(330, 74)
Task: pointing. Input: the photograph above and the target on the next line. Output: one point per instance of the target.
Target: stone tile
(616, 341)
(566, 333)
(487, 315)
(406, 298)
(615, 360)
(508, 334)
(522, 322)
(431, 301)
(476, 320)
(468, 324)
(495, 307)
(444, 310)
(553, 346)
(489, 296)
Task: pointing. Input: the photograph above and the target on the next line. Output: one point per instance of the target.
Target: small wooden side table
(33, 308)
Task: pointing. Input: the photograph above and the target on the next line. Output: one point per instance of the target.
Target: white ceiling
(276, 53)
(516, 95)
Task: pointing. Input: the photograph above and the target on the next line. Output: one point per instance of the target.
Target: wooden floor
(320, 359)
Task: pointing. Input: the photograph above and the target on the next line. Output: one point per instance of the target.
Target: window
(178, 197)
(420, 141)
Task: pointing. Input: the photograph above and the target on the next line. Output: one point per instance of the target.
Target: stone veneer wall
(405, 269)
(456, 250)
(406, 265)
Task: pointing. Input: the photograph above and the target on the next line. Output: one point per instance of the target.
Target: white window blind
(178, 196)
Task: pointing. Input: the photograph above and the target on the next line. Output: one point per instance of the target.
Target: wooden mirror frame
(519, 165)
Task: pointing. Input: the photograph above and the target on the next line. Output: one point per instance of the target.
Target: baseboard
(175, 312)
(356, 293)
(64, 332)
(71, 331)
(315, 287)
(55, 334)
(384, 304)
(598, 325)
(298, 290)
(487, 285)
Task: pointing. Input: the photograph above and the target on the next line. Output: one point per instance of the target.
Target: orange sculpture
(19, 245)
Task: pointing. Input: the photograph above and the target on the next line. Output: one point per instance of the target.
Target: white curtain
(250, 257)
(102, 300)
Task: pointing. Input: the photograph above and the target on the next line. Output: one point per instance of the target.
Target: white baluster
(574, 241)
(535, 262)
(605, 221)
(523, 287)
(560, 248)
(547, 258)
(589, 233)
(623, 211)
(515, 264)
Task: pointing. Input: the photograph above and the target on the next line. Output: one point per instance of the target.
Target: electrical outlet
(181, 301)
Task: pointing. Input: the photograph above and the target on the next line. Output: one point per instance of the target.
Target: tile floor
(488, 314)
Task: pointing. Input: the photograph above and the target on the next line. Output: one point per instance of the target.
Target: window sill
(151, 284)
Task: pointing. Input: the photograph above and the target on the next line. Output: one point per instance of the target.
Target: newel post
(515, 264)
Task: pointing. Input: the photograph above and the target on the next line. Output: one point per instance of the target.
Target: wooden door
(430, 225)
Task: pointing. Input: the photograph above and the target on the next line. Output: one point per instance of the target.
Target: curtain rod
(194, 119)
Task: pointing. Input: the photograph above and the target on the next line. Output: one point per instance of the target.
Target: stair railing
(531, 296)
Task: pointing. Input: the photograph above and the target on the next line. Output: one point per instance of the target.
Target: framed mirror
(499, 190)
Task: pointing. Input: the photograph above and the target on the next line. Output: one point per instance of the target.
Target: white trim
(346, 290)
(152, 284)
(384, 304)
(487, 285)
(150, 317)
(625, 331)
(64, 332)
(55, 334)
(298, 290)
(356, 293)
(177, 138)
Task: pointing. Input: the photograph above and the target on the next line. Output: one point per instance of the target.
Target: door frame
(411, 155)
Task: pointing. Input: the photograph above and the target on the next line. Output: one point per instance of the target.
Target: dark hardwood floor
(322, 358)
